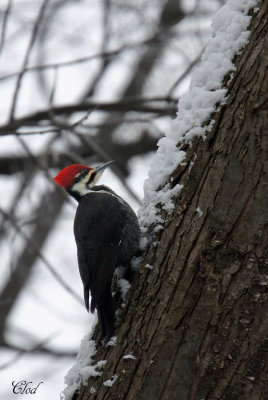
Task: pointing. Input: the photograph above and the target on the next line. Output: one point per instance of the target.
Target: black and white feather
(107, 235)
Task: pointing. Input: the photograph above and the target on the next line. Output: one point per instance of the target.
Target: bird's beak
(101, 168)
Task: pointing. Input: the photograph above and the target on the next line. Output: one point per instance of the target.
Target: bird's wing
(106, 264)
(98, 236)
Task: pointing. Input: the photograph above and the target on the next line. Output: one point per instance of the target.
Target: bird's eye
(84, 172)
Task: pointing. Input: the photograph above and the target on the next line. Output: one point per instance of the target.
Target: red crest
(66, 176)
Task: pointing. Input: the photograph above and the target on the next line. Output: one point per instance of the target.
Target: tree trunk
(196, 321)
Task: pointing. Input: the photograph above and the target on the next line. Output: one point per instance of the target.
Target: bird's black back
(107, 235)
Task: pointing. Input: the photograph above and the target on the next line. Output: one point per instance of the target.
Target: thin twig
(185, 73)
(26, 58)
(4, 25)
(105, 61)
(70, 63)
(88, 126)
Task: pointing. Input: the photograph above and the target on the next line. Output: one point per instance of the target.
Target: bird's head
(78, 179)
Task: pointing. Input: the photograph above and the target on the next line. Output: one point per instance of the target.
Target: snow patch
(153, 198)
(112, 341)
(229, 36)
(124, 286)
(135, 262)
(129, 357)
(111, 381)
(82, 369)
(199, 211)
(143, 242)
(149, 266)
(122, 283)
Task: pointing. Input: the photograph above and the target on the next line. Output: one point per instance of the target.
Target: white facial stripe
(83, 187)
(80, 186)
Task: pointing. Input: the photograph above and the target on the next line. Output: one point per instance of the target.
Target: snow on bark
(82, 369)
(124, 286)
(111, 381)
(229, 36)
(129, 357)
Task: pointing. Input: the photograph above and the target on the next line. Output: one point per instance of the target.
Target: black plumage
(107, 235)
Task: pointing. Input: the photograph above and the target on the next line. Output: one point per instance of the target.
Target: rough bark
(197, 321)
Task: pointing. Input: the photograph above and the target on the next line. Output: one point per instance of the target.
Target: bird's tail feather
(106, 314)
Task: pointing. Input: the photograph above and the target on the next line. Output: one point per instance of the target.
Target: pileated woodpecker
(107, 235)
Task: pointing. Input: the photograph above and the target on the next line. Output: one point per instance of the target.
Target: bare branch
(4, 25)
(124, 106)
(27, 55)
